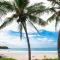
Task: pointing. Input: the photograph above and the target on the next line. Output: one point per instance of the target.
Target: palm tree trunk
(59, 45)
(29, 50)
(57, 20)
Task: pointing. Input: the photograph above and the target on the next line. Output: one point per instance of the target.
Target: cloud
(44, 40)
(43, 43)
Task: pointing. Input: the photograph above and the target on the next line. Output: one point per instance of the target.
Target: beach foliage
(7, 59)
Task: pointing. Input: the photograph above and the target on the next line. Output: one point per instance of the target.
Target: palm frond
(21, 3)
(40, 9)
(33, 18)
(2, 12)
(51, 18)
(54, 2)
(36, 8)
(8, 21)
(52, 9)
(5, 5)
(42, 22)
(37, 19)
(34, 27)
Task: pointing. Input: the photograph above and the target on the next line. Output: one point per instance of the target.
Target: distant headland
(3, 47)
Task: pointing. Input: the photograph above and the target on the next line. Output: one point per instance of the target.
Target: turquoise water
(32, 49)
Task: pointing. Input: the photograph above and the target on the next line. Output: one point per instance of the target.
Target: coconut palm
(23, 13)
(56, 16)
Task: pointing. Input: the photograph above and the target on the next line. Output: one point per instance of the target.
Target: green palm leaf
(37, 19)
(52, 9)
(42, 22)
(8, 21)
(21, 3)
(2, 12)
(36, 8)
(34, 26)
(51, 18)
(33, 18)
(6, 6)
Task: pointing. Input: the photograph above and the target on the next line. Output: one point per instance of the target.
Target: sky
(47, 38)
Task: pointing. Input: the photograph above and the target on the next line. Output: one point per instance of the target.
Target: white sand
(18, 55)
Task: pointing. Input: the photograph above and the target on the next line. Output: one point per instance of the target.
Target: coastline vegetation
(3, 47)
(35, 59)
(7, 59)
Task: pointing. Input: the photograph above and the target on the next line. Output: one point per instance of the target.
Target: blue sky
(45, 39)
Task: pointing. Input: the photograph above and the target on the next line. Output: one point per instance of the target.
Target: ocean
(32, 49)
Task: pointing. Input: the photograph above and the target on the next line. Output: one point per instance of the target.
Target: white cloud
(42, 43)
(10, 41)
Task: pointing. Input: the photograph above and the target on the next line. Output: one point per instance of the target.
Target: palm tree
(55, 16)
(23, 13)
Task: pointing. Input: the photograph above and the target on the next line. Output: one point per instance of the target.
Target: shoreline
(25, 50)
(18, 55)
(56, 52)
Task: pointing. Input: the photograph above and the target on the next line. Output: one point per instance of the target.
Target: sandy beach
(23, 55)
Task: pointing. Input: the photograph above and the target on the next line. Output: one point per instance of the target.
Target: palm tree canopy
(20, 7)
(22, 12)
(55, 9)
